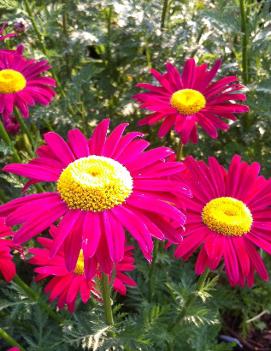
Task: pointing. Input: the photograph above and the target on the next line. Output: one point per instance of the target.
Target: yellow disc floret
(11, 81)
(94, 183)
(79, 268)
(227, 216)
(187, 101)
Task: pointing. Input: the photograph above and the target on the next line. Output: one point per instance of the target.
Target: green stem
(164, 15)
(148, 54)
(152, 270)
(8, 141)
(244, 30)
(35, 297)
(41, 41)
(179, 152)
(109, 24)
(106, 289)
(27, 132)
(9, 340)
(245, 56)
(191, 299)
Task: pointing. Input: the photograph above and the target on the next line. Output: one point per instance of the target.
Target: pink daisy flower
(127, 264)
(14, 349)
(65, 286)
(7, 267)
(22, 84)
(186, 100)
(227, 217)
(104, 185)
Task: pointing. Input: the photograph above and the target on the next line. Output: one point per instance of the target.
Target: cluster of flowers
(111, 184)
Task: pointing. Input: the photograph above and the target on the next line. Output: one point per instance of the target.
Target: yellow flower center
(79, 268)
(188, 101)
(11, 81)
(227, 216)
(94, 183)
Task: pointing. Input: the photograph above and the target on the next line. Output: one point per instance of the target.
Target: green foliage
(99, 50)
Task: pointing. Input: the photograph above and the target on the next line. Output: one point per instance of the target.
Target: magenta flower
(104, 186)
(186, 100)
(7, 267)
(127, 264)
(227, 217)
(22, 84)
(65, 286)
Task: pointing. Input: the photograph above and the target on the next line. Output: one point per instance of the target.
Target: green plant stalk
(8, 141)
(27, 132)
(35, 297)
(9, 340)
(109, 25)
(245, 56)
(41, 41)
(179, 151)
(164, 15)
(244, 30)
(106, 289)
(190, 300)
(152, 270)
(16, 157)
(44, 51)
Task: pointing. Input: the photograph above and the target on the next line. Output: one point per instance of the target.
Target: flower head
(22, 83)
(7, 267)
(103, 186)
(227, 217)
(64, 285)
(186, 100)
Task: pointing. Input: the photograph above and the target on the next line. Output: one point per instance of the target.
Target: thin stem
(179, 152)
(41, 41)
(244, 30)
(27, 131)
(35, 297)
(191, 299)
(152, 270)
(9, 340)
(109, 24)
(245, 56)
(8, 141)
(106, 289)
(164, 15)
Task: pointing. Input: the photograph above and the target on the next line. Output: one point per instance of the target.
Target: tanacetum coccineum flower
(7, 267)
(104, 185)
(186, 100)
(22, 83)
(229, 214)
(65, 286)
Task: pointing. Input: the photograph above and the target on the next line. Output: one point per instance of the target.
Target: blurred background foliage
(99, 50)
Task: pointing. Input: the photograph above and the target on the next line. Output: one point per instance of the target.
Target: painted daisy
(7, 266)
(227, 217)
(186, 100)
(22, 83)
(65, 286)
(103, 186)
